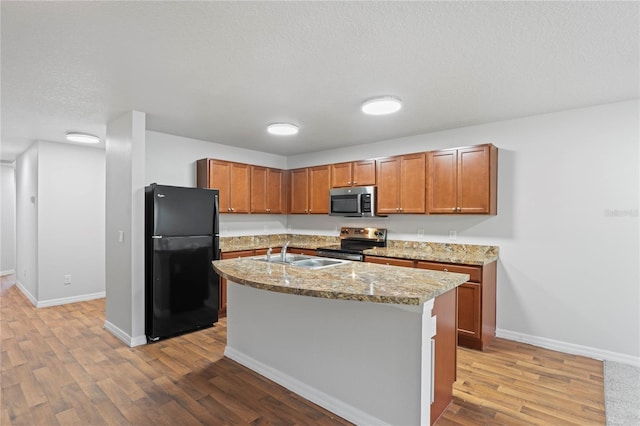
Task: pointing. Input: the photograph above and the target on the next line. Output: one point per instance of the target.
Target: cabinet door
(240, 187)
(364, 173)
(259, 189)
(412, 183)
(341, 175)
(469, 314)
(388, 185)
(319, 190)
(275, 191)
(473, 180)
(299, 184)
(441, 181)
(219, 179)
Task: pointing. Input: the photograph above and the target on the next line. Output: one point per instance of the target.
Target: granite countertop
(358, 281)
(464, 254)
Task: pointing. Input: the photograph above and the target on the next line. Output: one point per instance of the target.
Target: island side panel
(362, 361)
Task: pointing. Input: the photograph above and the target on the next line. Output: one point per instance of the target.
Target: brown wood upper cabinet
(355, 173)
(267, 190)
(401, 184)
(309, 190)
(233, 180)
(463, 180)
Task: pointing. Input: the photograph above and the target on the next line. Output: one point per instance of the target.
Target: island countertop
(357, 281)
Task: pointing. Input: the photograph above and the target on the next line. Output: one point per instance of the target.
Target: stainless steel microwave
(358, 201)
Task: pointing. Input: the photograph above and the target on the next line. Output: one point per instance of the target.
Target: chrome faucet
(283, 253)
(269, 250)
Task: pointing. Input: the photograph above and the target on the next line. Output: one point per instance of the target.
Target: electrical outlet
(452, 234)
(420, 232)
(67, 279)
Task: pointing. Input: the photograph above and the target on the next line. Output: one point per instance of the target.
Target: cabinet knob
(355, 183)
(401, 209)
(228, 209)
(453, 209)
(459, 209)
(349, 183)
(446, 270)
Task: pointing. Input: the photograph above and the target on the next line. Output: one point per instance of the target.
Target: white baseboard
(56, 302)
(7, 272)
(72, 299)
(569, 348)
(123, 336)
(314, 395)
(28, 295)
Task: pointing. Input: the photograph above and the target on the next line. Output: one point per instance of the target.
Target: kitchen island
(355, 338)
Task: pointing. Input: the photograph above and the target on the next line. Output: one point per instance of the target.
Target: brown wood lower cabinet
(476, 302)
(445, 362)
(476, 298)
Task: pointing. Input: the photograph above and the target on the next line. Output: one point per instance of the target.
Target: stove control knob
(379, 234)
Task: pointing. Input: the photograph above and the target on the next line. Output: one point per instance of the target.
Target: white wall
(7, 219)
(70, 221)
(124, 259)
(60, 223)
(567, 224)
(27, 222)
(171, 160)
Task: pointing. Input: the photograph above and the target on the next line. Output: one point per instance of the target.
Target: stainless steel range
(353, 242)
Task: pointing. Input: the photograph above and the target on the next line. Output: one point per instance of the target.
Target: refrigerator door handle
(216, 216)
(156, 236)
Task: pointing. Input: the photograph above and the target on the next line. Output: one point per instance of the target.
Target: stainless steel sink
(303, 261)
(290, 258)
(318, 262)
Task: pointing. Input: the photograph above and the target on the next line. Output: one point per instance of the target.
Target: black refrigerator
(181, 241)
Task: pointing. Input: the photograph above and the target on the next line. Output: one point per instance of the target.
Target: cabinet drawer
(475, 273)
(389, 261)
(236, 254)
(296, 250)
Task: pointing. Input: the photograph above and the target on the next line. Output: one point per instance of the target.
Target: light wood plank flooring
(60, 367)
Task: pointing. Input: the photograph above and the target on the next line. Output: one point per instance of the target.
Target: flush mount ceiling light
(82, 137)
(381, 106)
(282, 129)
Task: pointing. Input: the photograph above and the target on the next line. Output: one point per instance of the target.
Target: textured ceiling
(222, 71)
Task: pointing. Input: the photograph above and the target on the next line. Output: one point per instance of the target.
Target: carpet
(621, 394)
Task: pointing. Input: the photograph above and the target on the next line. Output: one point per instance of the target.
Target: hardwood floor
(59, 366)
